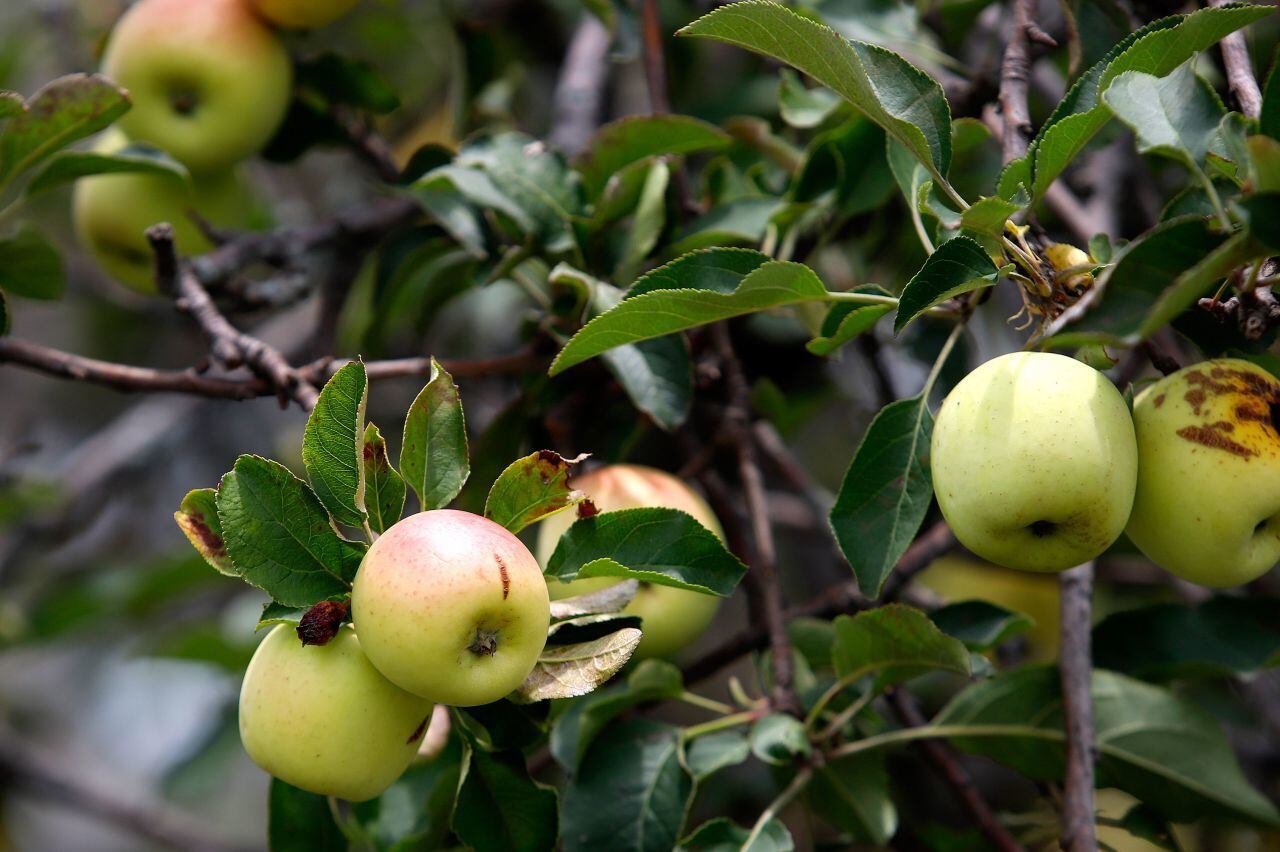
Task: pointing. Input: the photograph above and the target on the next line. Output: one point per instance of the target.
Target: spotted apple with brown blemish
(452, 607)
(1208, 501)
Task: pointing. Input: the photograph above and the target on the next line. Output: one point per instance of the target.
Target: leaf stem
(731, 721)
(784, 798)
(706, 703)
(925, 732)
(917, 222)
(938, 363)
(860, 298)
(1214, 199)
(846, 715)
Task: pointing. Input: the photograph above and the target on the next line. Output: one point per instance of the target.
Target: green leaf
(433, 454)
(333, 445)
(274, 613)
(647, 222)
(662, 546)
(134, 159)
(450, 208)
(577, 728)
(897, 641)
(725, 835)
(894, 94)
(530, 489)
(6, 317)
(957, 266)
(1219, 638)
(852, 793)
(67, 109)
(886, 492)
(1158, 747)
(630, 140)
(351, 82)
(710, 753)
(501, 808)
(384, 488)
(1157, 49)
(1262, 209)
(743, 221)
(979, 624)
(413, 814)
(845, 169)
(630, 794)
(279, 536)
(803, 107)
(298, 821)
(1269, 119)
(656, 312)
(988, 215)
(1176, 116)
(568, 671)
(779, 738)
(30, 266)
(198, 519)
(843, 323)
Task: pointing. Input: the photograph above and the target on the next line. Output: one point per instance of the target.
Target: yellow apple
(210, 82)
(671, 618)
(452, 607)
(303, 14)
(1034, 461)
(112, 212)
(1208, 502)
(322, 718)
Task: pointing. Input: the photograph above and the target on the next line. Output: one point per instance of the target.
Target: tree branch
(580, 87)
(1015, 71)
(1077, 705)
(1235, 57)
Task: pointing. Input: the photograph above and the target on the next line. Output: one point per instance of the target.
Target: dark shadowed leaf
(725, 835)
(30, 266)
(433, 454)
(333, 444)
(134, 159)
(413, 814)
(501, 808)
(957, 266)
(576, 729)
(980, 625)
(298, 821)
(852, 794)
(710, 753)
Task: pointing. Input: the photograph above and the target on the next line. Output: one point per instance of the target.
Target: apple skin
(1208, 501)
(451, 607)
(671, 618)
(209, 81)
(1034, 461)
(111, 214)
(302, 14)
(322, 718)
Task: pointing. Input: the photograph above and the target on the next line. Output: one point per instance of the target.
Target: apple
(670, 618)
(210, 82)
(1208, 501)
(322, 718)
(112, 212)
(452, 607)
(302, 14)
(1034, 461)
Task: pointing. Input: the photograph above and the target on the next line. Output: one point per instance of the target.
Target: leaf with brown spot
(197, 517)
(384, 488)
(67, 109)
(532, 488)
(567, 671)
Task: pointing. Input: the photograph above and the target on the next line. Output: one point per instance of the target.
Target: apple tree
(700, 426)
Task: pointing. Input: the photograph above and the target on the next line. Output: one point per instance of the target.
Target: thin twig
(1235, 57)
(580, 88)
(1077, 709)
(371, 148)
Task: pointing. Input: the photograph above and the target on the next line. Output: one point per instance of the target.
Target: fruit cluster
(210, 83)
(1038, 465)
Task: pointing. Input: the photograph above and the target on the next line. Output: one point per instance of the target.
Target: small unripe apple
(1208, 501)
(322, 718)
(302, 14)
(452, 607)
(1034, 461)
(112, 212)
(671, 618)
(210, 82)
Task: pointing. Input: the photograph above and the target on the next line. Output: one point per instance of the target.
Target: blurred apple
(671, 618)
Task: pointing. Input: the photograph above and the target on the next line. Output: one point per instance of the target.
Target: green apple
(210, 82)
(1208, 501)
(452, 607)
(670, 618)
(112, 213)
(1034, 461)
(302, 14)
(322, 718)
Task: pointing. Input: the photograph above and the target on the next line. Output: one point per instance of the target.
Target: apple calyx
(322, 622)
(485, 642)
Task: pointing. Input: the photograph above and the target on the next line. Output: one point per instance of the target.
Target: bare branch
(1015, 71)
(580, 87)
(1077, 708)
(1235, 57)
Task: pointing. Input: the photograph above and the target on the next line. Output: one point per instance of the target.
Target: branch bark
(580, 87)
(1235, 58)
(1078, 819)
(1015, 72)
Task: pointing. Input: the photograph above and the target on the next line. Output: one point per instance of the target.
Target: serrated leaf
(333, 444)
(656, 312)
(886, 492)
(298, 821)
(897, 641)
(635, 138)
(433, 454)
(663, 546)
(530, 489)
(612, 598)
(846, 322)
(500, 807)
(630, 793)
(384, 488)
(67, 109)
(779, 738)
(710, 753)
(894, 94)
(852, 794)
(725, 835)
(30, 266)
(1176, 116)
(1158, 747)
(69, 166)
(979, 624)
(567, 671)
(280, 537)
(197, 517)
(959, 265)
